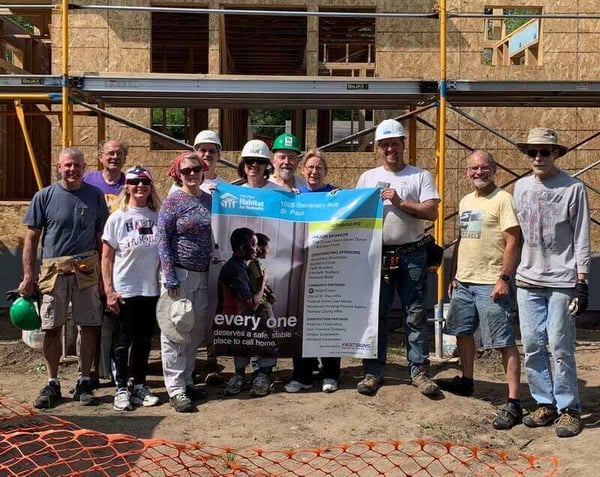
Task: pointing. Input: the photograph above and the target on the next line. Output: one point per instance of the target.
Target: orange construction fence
(33, 444)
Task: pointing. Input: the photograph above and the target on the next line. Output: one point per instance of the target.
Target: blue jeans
(547, 328)
(410, 283)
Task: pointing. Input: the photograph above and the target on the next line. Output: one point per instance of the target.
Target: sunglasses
(137, 182)
(186, 171)
(542, 152)
(251, 162)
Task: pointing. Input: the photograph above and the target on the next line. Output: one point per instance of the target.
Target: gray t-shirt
(555, 221)
(70, 219)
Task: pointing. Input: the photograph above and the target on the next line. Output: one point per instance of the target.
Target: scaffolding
(223, 91)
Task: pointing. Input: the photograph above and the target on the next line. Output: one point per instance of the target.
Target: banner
(323, 267)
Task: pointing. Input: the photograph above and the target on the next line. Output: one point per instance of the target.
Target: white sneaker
(329, 385)
(121, 401)
(296, 386)
(142, 396)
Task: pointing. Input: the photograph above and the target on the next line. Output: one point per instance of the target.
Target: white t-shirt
(298, 181)
(133, 235)
(205, 186)
(411, 183)
(269, 185)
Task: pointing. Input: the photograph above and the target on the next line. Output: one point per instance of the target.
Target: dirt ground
(313, 419)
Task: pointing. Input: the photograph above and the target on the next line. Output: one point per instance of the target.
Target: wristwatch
(504, 277)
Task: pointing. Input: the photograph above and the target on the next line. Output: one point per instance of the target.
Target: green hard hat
(24, 315)
(286, 141)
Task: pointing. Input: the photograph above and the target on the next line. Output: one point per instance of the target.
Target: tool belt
(391, 256)
(85, 267)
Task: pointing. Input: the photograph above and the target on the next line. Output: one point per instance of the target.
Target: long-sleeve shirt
(184, 234)
(555, 221)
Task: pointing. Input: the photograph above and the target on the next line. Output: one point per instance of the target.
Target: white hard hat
(208, 137)
(256, 148)
(389, 128)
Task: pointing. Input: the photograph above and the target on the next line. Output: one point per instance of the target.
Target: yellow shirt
(482, 221)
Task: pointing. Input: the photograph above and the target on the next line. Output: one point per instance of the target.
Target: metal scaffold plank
(240, 92)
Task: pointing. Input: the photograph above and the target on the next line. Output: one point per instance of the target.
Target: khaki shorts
(86, 305)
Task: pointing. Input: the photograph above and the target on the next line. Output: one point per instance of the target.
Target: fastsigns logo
(352, 345)
(228, 201)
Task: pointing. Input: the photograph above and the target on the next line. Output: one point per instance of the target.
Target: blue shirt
(69, 219)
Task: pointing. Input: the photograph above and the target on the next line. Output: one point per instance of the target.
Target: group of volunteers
(126, 262)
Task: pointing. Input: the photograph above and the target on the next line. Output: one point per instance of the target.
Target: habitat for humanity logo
(228, 201)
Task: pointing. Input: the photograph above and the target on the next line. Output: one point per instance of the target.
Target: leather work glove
(579, 303)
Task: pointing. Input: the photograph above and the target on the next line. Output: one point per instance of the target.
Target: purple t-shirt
(111, 191)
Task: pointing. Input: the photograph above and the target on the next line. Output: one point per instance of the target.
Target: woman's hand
(113, 301)
(173, 292)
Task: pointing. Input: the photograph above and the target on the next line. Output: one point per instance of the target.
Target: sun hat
(542, 137)
(175, 317)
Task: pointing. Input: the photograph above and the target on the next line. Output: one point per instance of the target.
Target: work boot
(425, 384)
(568, 423)
(544, 415)
(369, 384)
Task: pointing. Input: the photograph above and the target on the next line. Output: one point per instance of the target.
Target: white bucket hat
(175, 318)
(542, 137)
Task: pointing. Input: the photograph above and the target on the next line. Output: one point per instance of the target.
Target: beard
(481, 183)
(285, 174)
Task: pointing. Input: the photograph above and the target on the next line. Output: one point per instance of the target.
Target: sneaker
(121, 401)
(508, 417)
(457, 385)
(84, 393)
(195, 393)
(213, 379)
(296, 386)
(260, 385)
(543, 416)
(425, 384)
(181, 403)
(49, 396)
(329, 385)
(234, 385)
(141, 396)
(568, 423)
(369, 384)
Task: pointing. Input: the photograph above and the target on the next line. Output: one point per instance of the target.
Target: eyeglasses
(186, 171)
(258, 162)
(542, 152)
(207, 151)
(137, 182)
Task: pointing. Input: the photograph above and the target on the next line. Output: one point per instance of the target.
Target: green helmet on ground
(286, 141)
(24, 315)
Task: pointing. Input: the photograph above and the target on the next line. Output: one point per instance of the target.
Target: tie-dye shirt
(184, 234)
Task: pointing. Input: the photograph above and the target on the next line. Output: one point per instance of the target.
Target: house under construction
(156, 72)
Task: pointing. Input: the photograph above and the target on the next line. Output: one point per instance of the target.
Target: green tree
(269, 122)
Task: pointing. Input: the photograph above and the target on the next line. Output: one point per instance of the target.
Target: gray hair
(123, 145)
